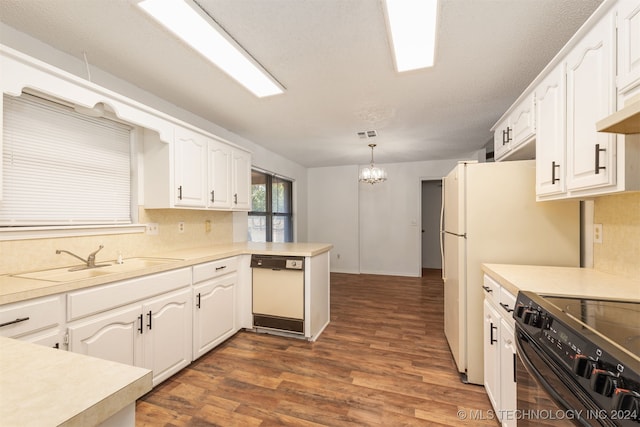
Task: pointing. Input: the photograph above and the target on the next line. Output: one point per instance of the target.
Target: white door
(115, 336)
(167, 334)
(508, 399)
(590, 68)
(241, 180)
(278, 293)
(190, 156)
(214, 315)
(551, 163)
(220, 195)
(492, 361)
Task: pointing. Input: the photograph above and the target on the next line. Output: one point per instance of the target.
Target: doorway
(431, 197)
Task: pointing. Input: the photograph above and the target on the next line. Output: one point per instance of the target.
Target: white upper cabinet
(195, 171)
(241, 173)
(550, 133)
(190, 168)
(513, 135)
(590, 73)
(628, 48)
(220, 195)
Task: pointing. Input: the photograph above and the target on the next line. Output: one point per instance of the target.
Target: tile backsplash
(619, 252)
(25, 255)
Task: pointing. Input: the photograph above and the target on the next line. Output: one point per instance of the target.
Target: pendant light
(372, 174)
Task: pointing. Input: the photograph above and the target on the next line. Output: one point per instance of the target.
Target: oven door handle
(535, 373)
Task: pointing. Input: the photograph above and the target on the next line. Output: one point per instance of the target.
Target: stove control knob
(519, 310)
(627, 401)
(532, 318)
(604, 382)
(583, 366)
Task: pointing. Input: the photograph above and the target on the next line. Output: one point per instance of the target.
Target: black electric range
(592, 348)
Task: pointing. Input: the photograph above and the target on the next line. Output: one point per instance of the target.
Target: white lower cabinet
(38, 321)
(153, 334)
(499, 351)
(215, 299)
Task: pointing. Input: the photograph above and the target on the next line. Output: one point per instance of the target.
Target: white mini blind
(61, 167)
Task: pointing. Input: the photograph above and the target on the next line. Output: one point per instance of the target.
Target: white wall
(262, 157)
(333, 214)
(374, 228)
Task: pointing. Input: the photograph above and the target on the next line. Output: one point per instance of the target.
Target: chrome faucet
(90, 262)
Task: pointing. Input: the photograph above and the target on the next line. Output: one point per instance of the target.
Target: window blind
(61, 167)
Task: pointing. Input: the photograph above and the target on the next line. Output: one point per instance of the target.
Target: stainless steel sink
(68, 274)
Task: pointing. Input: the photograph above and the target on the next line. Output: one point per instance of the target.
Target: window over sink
(63, 168)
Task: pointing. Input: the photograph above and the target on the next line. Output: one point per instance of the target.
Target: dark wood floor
(383, 361)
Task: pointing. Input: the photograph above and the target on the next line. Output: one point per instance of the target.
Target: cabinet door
(508, 401)
(523, 122)
(214, 317)
(115, 336)
(52, 338)
(550, 134)
(628, 45)
(590, 68)
(220, 195)
(241, 180)
(167, 334)
(492, 354)
(501, 141)
(190, 168)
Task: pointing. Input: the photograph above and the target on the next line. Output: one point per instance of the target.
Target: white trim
(24, 233)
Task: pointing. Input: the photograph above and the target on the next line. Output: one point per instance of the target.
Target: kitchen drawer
(491, 289)
(25, 317)
(213, 269)
(508, 303)
(102, 298)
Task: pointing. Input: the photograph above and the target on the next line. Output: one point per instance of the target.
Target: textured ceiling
(333, 57)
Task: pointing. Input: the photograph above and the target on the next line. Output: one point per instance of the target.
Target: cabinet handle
(491, 339)
(150, 315)
(488, 289)
(509, 134)
(514, 367)
(506, 307)
(553, 172)
(598, 150)
(198, 300)
(504, 137)
(221, 268)
(212, 198)
(235, 198)
(57, 346)
(140, 329)
(18, 320)
(180, 193)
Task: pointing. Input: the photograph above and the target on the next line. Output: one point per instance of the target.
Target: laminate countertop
(41, 386)
(14, 288)
(564, 281)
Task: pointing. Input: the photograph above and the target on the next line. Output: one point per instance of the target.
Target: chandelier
(372, 174)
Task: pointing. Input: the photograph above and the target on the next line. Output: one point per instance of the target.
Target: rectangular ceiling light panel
(189, 23)
(412, 26)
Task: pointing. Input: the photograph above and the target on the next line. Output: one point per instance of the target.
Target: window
(271, 217)
(61, 167)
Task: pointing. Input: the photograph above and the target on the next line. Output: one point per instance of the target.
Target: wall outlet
(152, 229)
(181, 227)
(207, 226)
(597, 233)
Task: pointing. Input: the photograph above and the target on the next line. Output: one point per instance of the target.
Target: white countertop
(42, 386)
(14, 289)
(564, 281)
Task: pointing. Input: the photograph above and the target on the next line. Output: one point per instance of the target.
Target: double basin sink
(70, 274)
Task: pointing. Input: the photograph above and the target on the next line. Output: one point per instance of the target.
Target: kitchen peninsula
(47, 308)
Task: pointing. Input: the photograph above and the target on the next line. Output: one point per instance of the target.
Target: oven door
(546, 393)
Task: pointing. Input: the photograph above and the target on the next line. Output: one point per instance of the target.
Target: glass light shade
(372, 174)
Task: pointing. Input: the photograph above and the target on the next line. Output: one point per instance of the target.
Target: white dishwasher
(278, 292)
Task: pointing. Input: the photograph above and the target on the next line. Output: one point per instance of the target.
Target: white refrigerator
(490, 215)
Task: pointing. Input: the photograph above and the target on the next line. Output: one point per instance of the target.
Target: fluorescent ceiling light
(191, 24)
(412, 24)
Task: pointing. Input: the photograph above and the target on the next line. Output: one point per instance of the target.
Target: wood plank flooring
(382, 361)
